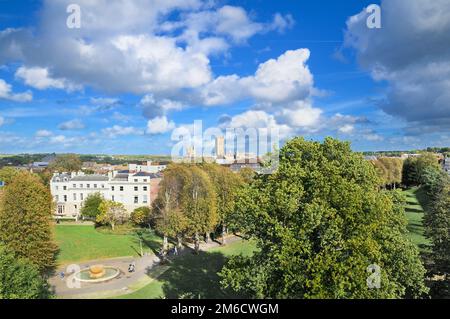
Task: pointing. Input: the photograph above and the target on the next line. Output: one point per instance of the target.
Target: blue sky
(138, 70)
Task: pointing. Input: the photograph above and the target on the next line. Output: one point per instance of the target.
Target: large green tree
(25, 220)
(414, 168)
(199, 202)
(111, 213)
(167, 209)
(141, 216)
(91, 206)
(66, 163)
(321, 223)
(19, 279)
(226, 185)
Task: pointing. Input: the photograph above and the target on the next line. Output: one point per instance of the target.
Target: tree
(46, 175)
(320, 222)
(168, 204)
(247, 174)
(25, 221)
(199, 203)
(437, 221)
(140, 216)
(66, 163)
(437, 218)
(414, 168)
(20, 279)
(111, 213)
(389, 170)
(91, 206)
(7, 174)
(226, 185)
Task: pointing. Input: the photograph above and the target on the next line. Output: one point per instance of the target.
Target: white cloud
(43, 133)
(256, 119)
(373, 137)
(346, 129)
(7, 94)
(280, 80)
(154, 46)
(301, 115)
(75, 124)
(58, 139)
(159, 125)
(104, 101)
(39, 78)
(2, 121)
(118, 130)
(282, 23)
(411, 52)
(153, 107)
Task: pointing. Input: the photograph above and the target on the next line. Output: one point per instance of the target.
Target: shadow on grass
(422, 197)
(417, 210)
(149, 240)
(195, 276)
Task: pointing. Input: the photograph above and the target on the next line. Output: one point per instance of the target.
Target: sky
(137, 73)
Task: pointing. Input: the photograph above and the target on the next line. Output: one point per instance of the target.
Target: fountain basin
(97, 273)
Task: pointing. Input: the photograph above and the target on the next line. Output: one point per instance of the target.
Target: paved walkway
(147, 269)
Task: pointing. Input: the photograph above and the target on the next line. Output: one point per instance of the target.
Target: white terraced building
(132, 189)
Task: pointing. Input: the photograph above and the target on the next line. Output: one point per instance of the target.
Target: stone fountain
(97, 274)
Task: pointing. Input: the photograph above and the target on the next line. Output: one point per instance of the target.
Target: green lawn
(81, 243)
(193, 276)
(415, 205)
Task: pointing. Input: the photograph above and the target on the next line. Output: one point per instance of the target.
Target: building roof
(120, 177)
(142, 174)
(88, 178)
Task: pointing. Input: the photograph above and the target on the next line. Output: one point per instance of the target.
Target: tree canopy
(91, 206)
(7, 174)
(111, 213)
(321, 222)
(25, 220)
(414, 168)
(19, 279)
(66, 163)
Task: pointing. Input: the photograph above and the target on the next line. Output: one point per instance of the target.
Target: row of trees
(27, 249)
(436, 184)
(414, 169)
(389, 170)
(194, 200)
(324, 229)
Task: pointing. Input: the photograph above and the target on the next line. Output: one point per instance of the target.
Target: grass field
(415, 206)
(193, 275)
(79, 243)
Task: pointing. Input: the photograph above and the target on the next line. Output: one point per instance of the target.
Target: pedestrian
(61, 274)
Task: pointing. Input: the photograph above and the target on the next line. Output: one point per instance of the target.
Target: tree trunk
(207, 237)
(224, 231)
(197, 243)
(112, 226)
(165, 243)
(179, 241)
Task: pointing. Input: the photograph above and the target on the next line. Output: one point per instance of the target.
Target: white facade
(69, 191)
(148, 168)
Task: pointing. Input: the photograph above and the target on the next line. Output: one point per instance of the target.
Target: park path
(148, 268)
